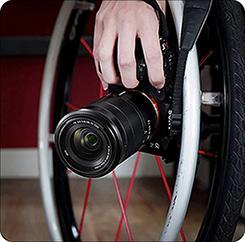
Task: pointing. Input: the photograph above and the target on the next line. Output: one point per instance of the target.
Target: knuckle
(99, 17)
(153, 56)
(103, 54)
(95, 54)
(120, 16)
(126, 63)
(95, 51)
(108, 18)
(125, 23)
(150, 13)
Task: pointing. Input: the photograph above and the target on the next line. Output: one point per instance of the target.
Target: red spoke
(73, 108)
(165, 182)
(203, 152)
(205, 57)
(206, 153)
(85, 44)
(85, 206)
(168, 190)
(122, 207)
(182, 235)
(128, 195)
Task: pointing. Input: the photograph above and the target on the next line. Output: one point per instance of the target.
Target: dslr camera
(94, 140)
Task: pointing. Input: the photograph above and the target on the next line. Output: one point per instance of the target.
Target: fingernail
(160, 86)
(105, 85)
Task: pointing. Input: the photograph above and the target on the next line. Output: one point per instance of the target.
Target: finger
(99, 25)
(106, 65)
(126, 58)
(103, 83)
(153, 55)
(98, 31)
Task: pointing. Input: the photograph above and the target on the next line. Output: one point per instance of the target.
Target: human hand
(126, 21)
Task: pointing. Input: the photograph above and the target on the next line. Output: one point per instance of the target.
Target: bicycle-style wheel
(221, 52)
(226, 23)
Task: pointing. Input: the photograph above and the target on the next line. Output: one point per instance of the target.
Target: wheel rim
(67, 221)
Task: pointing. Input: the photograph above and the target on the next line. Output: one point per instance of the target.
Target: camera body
(94, 140)
(160, 142)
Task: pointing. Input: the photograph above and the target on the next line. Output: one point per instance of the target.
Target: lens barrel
(92, 141)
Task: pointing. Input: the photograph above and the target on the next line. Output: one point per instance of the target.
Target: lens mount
(88, 143)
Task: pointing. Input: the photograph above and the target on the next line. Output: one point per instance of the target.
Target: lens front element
(87, 144)
(91, 139)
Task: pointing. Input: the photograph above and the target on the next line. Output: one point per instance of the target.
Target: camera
(94, 140)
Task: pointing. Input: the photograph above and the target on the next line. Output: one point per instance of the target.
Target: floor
(22, 217)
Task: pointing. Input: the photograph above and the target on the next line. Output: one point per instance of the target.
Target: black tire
(69, 51)
(227, 192)
(228, 188)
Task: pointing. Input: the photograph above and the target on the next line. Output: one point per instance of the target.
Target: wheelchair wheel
(226, 24)
(221, 54)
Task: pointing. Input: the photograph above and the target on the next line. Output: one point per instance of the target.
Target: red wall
(21, 76)
(34, 17)
(29, 18)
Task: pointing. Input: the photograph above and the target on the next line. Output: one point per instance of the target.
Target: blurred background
(25, 29)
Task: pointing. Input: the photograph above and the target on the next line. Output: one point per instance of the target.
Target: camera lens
(85, 140)
(92, 141)
(86, 143)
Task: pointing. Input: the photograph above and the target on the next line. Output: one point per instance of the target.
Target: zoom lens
(92, 141)
(87, 144)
